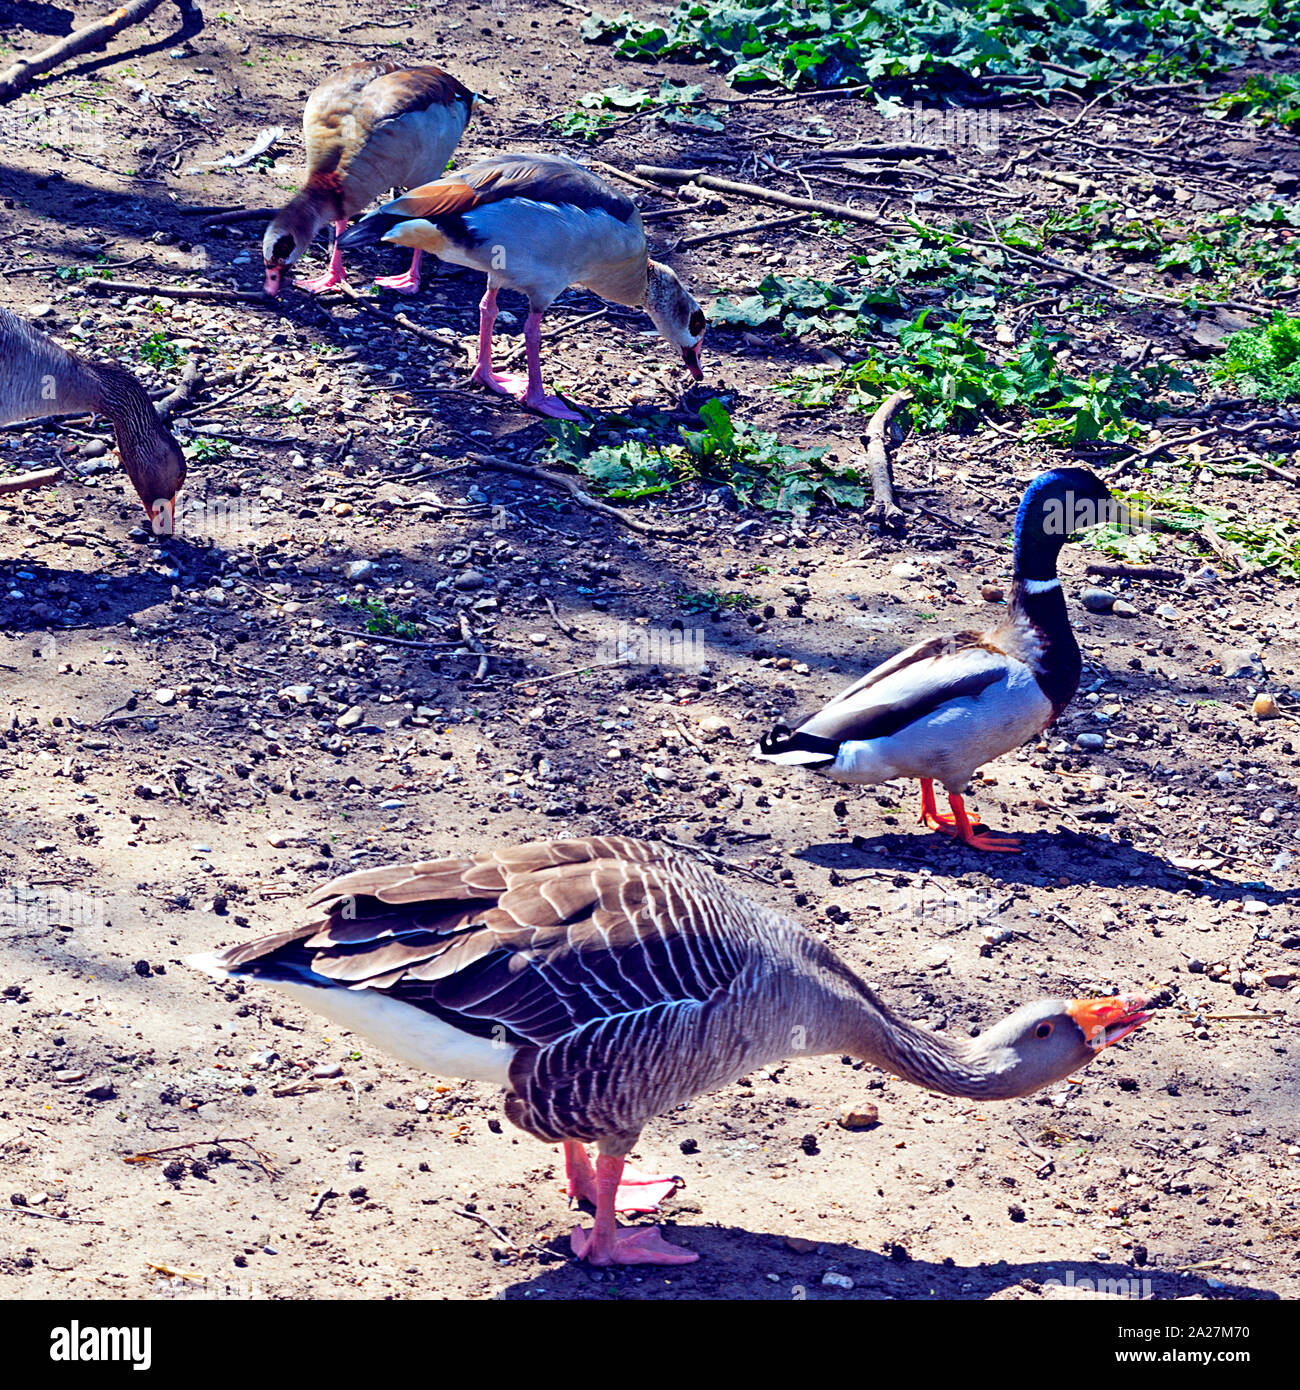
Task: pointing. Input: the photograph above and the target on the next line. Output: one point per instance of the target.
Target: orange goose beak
(272, 285)
(1106, 1021)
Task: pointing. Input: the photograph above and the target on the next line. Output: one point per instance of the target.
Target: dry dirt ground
(156, 765)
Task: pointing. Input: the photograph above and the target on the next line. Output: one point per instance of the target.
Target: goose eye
(1044, 1030)
(695, 325)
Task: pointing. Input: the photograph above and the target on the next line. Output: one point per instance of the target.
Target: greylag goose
(538, 223)
(604, 981)
(370, 128)
(945, 706)
(39, 378)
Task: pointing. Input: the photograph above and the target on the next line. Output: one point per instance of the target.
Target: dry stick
(363, 302)
(1135, 572)
(884, 509)
(749, 227)
(564, 675)
(29, 480)
(237, 215)
(191, 380)
(96, 35)
(1223, 548)
(763, 195)
(573, 488)
(181, 292)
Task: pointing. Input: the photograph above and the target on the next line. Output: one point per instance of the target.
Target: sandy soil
(156, 768)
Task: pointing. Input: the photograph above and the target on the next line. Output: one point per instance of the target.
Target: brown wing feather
(541, 938)
(542, 178)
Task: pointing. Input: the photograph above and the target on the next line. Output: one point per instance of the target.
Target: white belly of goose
(409, 1034)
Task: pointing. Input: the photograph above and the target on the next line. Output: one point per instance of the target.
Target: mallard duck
(368, 128)
(39, 378)
(946, 706)
(538, 223)
(604, 981)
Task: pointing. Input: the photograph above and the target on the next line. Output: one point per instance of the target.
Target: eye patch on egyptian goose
(538, 223)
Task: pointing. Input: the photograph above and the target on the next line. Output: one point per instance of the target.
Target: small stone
(69, 1075)
(327, 1072)
(299, 694)
(1097, 600)
(1241, 665)
(1265, 707)
(801, 1245)
(215, 597)
(538, 639)
(359, 571)
(1091, 743)
(1278, 979)
(859, 1116)
(469, 580)
(164, 696)
(836, 1281)
(1123, 609)
(990, 593)
(349, 719)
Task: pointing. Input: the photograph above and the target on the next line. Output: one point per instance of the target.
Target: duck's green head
(1056, 505)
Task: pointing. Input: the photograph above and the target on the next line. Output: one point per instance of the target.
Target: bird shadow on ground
(731, 1256)
(1062, 851)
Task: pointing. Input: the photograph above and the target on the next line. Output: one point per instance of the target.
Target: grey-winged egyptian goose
(370, 128)
(39, 378)
(538, 223)
(942, 708)
(605, 981)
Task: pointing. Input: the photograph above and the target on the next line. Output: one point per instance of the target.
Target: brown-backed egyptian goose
(605, 981)
(538, 223)
(39, 378)
(370, 128)
(940, 709)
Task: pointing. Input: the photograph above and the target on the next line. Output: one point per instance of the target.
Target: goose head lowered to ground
(605, 981)
(39, 378)
(945, 706)
(369, 128)
(538, 223)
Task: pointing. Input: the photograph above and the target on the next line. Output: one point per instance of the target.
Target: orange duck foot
(640, 1245)
(961, 825)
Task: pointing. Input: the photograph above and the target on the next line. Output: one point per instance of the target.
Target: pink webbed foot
(503, 383)
(408, 283)
(636, 1191)
(550, 405)
(320, 283)
(639, 1245)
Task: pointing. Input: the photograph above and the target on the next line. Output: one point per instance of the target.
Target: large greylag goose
(39, 378)
(944, 707)
(538, 223)
(370, 128)
(605, 981)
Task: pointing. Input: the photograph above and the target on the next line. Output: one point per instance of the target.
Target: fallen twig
(210, 292)
(25, 71)
(763, 195)
(884, 509)
(1134, 572)
(579, 495)
(29, 480)
(750, 228)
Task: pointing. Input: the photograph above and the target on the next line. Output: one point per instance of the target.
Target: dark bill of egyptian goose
(539, 223)
(39, 378)
(604, 981)
(369, 128)
(943, 708)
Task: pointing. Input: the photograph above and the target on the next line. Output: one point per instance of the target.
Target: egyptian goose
(604, 981)
(538, 223)
(945, 706)
(39, 378)
(370, 128)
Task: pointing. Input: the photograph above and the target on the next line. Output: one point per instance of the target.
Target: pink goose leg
(408, 283)
(529, 391)
(607, 1244)
(334, 275)
(535, 398)
(582, 1182)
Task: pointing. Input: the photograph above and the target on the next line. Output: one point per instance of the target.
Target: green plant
(1264, 362)
(204, 448)
(597, 111)
(158, 349)
(1264, 100)
(714, 601)
(380, 620)
(802, 306)
(898, 45)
